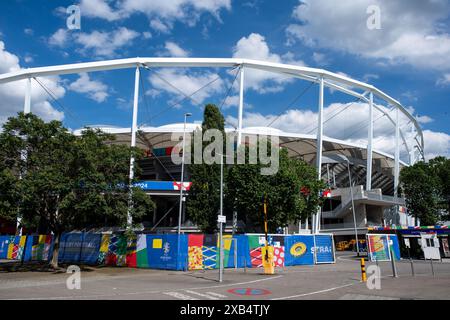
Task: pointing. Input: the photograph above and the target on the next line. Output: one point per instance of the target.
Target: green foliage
(247, 187)
(440, 167)
(51, 178)
(204, 196)
(425, 186)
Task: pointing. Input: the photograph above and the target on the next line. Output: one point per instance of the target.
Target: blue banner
(299, 250)
(163, 253)
(79, 248)
(4, 244)
(243, 252)
(394, 246)
(324, 248)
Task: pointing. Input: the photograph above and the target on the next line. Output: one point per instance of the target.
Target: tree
(53, 179)
(420, 186)
(204, 195)
(286, 204)
(245, 186)
(440, 167)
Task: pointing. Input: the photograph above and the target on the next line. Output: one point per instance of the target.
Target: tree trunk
(54, 262)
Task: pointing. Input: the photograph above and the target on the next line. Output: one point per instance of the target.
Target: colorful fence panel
(141, 251)
(167, 251)
(12, 247)
(103, 251)
(395, 246)
(4, 245)
(379, 246)
(299, 250)
(204, 251)
(38, 248)
(195, 252)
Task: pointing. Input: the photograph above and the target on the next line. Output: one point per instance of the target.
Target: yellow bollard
(267, 262)
(363, 271)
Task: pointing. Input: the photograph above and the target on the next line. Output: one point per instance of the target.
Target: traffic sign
(249, 291)
(221, 219)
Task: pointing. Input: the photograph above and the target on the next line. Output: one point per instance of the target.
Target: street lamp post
(182, 173)
(353, 207)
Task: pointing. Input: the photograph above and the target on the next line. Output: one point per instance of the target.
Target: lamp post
(182, 173)
(353, 206)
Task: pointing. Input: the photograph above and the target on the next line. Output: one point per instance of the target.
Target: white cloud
(368, 76)
(436, 144)
(409, 33)
(59, 38)
(175, 50)
(95, 90)
(320, 58)
(147, 34)
(9, 61)
(350, 125)
(12, 94)
(411, 95)
(444, 80)
(124, 104)
(161, 14)
(99, 9)
(28, 59)
(160, 26)
(28, 31)
(105, 44)
(255, 47)
(187, 83)
(99, 43)
(175, 9)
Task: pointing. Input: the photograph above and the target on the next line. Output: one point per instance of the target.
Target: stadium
(363, 180)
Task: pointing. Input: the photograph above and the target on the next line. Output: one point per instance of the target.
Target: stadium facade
(364, 181)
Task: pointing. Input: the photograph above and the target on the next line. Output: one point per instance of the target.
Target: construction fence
(170, 251)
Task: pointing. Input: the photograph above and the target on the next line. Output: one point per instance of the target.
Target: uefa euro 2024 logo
(166, 250)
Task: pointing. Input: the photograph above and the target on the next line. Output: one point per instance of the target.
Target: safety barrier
(168, 251)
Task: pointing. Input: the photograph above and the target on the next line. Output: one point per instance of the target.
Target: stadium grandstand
(363, 181)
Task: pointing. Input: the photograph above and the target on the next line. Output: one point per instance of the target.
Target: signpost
(221, 219)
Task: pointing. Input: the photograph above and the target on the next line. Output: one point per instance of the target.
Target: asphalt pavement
(341, 280)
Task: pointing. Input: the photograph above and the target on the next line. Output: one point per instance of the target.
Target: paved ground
(337, 281)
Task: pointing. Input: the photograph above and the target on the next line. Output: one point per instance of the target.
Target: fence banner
(393, 243)
(103, 252)
(117, 250)
(299, 250)
(324, 248)
(195, 252)
(16, 247)
(204, 251)
(167, 251)
(4, 245)
(131, 251)
(141, 251)
(79, 248)
(379, 245)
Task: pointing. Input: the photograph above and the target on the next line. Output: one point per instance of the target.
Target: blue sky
(408, 58)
